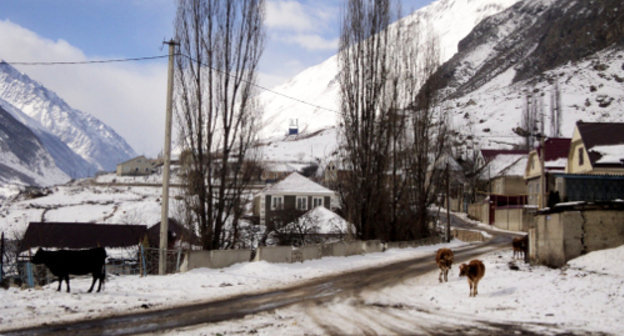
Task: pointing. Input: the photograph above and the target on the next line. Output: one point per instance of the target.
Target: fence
(289, 254)
(146, 260)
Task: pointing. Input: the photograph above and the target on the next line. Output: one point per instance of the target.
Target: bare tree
(220, 46)
(429, 133)
(366, 103)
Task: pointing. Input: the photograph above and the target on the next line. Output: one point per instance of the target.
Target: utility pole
(164, 212)
(447, 231)
(542, 192)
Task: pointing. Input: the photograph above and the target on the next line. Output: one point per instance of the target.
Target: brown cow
(444, 259)
(474, 271)
(520, 246)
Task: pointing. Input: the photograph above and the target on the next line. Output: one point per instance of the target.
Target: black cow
(62, 263)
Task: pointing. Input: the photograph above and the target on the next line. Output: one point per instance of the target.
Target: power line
(145, 58)
(263, 87)
(114, 60)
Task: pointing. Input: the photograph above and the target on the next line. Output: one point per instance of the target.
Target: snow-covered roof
(297, 184)
(609, 154)
(324, 221)
(506, 165)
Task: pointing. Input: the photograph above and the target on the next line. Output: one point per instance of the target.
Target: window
(277, 202)
(317, 201)
(302, 203)
(580, 152)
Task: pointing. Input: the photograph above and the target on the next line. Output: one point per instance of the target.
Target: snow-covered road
(586, 296)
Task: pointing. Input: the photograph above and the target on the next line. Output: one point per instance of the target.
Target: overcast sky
(130, 96)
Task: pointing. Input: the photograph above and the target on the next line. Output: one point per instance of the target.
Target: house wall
(509, 185)
(573, 166)
(513, 219)
(137, 166)
(560, 237)
(480, 212)
(290, 202)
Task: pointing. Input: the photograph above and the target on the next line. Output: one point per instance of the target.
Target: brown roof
(600, 134)
(81, 235)
(490, 154)
(555, 148)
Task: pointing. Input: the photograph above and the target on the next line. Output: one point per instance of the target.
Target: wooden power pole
(164, 213)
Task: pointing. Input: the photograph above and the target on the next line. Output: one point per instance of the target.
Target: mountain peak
(92, 140)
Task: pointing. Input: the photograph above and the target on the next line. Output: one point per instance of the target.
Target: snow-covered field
(586, 295)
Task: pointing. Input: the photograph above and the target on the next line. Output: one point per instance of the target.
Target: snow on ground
(587, 295)
(123, 294)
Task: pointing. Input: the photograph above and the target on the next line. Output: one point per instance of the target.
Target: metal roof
(81, 235)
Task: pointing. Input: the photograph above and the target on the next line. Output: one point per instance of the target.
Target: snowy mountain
(97, 145)
(498, 57)
(450, 20)
(24, 159)
(547, 53)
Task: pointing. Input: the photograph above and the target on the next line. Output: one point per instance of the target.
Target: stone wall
(565, 235)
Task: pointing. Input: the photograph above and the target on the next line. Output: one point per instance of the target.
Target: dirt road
(316, 294)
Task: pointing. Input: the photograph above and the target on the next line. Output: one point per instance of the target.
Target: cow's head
(38, 258)
(463, 270)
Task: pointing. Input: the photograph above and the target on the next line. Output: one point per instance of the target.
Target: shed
(81, 235)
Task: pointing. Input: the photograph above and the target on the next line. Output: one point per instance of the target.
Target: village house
(138, 166)
(595, 165)
(591, 216)
(294, 193)
(555, 152)
(506, 192)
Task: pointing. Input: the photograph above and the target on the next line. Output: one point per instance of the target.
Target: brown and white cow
(520, 246)
(444, 259)
(474, 271)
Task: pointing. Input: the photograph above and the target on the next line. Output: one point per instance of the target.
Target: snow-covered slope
(528, 53)
(499, 55)
(450, 20)
(24, 160)
(65, 159)
(95, 142)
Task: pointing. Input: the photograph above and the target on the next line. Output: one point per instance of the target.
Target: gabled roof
(490, 154)
(133, 159)
(297, 184)
(555, 148)
(81, 235)
(556, 153)
(506, 165)
(604, 142)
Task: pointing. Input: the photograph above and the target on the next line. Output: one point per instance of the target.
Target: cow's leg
(60, 280)
(102, 277)
(476, 283)
(67, 281)
(471, 287)
(95, 277)
(100, 284)
(440, 276)
(446, 271)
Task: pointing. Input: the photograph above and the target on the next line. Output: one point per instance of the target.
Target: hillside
(449, 20)
(98, 146)
(506, 56)
(24, 159)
